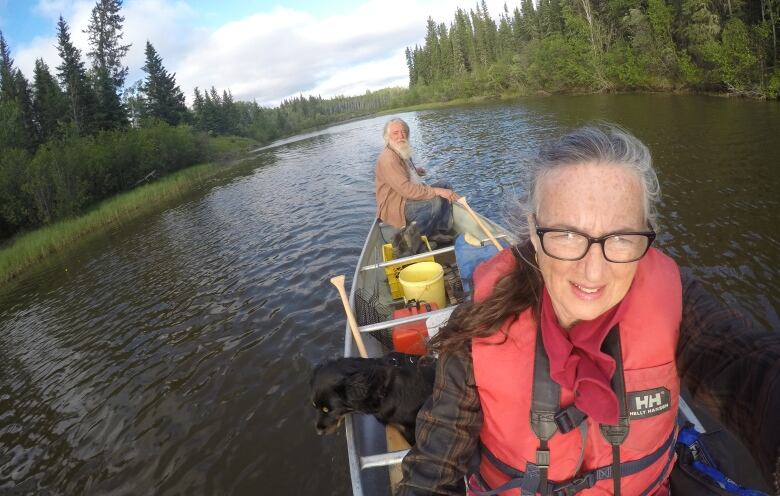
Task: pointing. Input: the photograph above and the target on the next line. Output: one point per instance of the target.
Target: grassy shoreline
(25, 250)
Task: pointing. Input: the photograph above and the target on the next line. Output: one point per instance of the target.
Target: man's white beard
(402, 149)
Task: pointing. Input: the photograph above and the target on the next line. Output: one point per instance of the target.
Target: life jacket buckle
(543, 458)
(576, 485)
(569, 419)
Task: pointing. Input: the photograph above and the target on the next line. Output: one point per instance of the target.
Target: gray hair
(392, 121)
(600, 143)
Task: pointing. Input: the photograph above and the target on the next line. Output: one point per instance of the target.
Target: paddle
(338, 281)
(464, 204)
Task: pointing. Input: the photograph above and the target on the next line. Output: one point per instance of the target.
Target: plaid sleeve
(732, 370)
(448, 427)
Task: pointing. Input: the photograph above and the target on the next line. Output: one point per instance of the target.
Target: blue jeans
(434, 215)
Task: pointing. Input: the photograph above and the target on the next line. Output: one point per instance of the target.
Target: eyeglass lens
(573, 246)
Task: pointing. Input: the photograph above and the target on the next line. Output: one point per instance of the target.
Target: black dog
(392, 388)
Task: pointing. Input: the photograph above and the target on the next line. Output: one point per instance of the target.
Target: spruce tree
(24, 100)
(15, 104)
(446, 51)
(7, 85)
(108, 73)
(463, 42)
(230, 112)
(198, 105)
(433, 51)
(504, 40)
(73, 78)
(49, 105)
(410, 65)
(163, 98)
(215, 118)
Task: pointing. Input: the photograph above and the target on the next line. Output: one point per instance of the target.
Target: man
(402, 196)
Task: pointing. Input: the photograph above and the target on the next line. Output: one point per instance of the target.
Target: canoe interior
(366, 436)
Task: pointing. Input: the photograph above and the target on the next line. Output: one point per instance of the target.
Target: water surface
(171, 355)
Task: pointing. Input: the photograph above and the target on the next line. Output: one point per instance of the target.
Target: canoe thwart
(405, 320)
(410, 258)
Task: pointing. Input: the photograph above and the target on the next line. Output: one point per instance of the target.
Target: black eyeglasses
(621, 247)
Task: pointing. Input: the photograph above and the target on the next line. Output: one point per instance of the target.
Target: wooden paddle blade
(338, 281)
(462, 201)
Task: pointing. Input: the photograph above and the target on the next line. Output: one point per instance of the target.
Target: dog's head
(345, 385)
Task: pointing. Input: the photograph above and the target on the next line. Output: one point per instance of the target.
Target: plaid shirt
(729, 368)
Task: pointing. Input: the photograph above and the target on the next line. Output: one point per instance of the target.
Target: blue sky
(260, 50)
(22, 20)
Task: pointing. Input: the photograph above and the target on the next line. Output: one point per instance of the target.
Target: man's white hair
(386, 130)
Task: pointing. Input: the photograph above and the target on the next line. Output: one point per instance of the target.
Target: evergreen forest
(724, 46)
(75, 132)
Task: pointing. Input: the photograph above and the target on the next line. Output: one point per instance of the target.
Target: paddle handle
(462, 201)
(338, 281)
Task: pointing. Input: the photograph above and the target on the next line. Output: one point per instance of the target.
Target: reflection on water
(171, 355)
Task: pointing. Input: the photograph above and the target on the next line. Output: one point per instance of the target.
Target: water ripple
(171, 355)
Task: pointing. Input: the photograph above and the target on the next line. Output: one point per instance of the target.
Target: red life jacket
(504, 375)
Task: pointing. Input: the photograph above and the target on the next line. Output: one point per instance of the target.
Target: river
(171, 355)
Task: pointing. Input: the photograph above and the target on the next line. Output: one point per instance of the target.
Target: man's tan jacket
(393, 186)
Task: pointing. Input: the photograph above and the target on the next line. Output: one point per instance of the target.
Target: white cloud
(76, 15)
(266, 56)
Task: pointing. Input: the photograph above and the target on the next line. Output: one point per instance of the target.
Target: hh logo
(647, 403)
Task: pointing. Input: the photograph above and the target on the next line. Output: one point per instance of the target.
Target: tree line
(601, 45)
(67, 139)
(76, 134)
(218, 112)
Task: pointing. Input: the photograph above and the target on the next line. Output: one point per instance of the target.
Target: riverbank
(514, 95)
(432, 105)
(27, 249)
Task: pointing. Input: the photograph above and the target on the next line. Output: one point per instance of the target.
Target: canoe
(375, 452)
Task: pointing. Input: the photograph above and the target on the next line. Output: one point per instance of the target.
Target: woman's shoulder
(488, 273)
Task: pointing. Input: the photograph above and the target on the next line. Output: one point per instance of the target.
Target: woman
(564, 374)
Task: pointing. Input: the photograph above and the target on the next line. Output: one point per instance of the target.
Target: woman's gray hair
(389, 123)
(600, 143)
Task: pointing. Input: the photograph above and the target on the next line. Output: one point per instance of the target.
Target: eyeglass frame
(541, 231)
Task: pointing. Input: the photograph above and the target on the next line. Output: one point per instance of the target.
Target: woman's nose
(594, 263)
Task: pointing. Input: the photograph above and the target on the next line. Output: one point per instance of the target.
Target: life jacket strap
(529, 478)
(569, 418)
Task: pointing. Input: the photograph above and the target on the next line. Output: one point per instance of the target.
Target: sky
(261, 51)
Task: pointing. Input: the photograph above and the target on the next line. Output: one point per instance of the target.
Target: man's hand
(446, 193)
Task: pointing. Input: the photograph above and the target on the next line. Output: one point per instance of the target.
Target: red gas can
(411, 338)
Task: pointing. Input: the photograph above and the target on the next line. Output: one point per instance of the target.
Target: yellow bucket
(423, 281)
